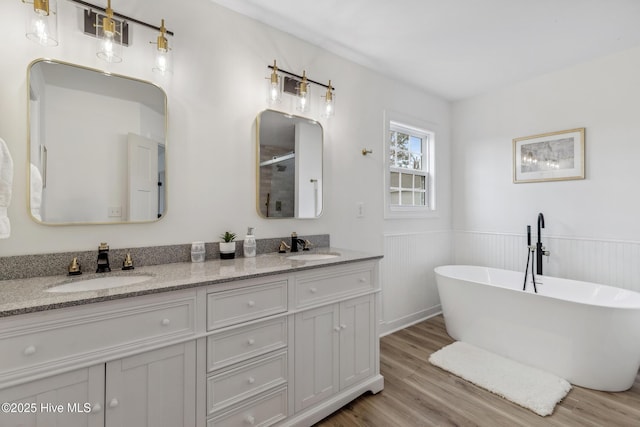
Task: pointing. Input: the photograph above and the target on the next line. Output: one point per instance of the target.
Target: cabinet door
(153, 389)
(356, 340)
(316, 355)
(73, 399)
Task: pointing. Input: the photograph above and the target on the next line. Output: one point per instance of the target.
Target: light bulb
(329, 102)
(109, 46)
(274, 92)
(328, 109)
(273, 86)
(107, 49)
(303, 93)
(42, 25)
(302, 103)
(163, 63)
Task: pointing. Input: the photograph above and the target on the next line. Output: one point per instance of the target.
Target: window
(409, 181)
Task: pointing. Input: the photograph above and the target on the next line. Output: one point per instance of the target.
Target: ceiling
(456, 48)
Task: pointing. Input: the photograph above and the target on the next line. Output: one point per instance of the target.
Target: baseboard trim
(389, 327)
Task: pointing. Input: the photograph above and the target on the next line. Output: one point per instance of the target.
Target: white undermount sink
(312, 257)
(98, 283)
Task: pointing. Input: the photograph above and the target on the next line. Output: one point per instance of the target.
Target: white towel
(6, 180)
(36, 192)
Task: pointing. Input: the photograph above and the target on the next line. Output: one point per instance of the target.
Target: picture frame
(553, 156)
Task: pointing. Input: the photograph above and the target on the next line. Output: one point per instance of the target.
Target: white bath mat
(528, 387)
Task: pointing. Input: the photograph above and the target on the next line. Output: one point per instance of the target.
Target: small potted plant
(227, 246)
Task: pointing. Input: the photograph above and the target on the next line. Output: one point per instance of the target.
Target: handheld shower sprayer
(530, 249)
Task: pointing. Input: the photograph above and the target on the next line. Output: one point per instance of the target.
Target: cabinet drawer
(245, 381)
(263, 411)
(316, 288)
(94, 331)
(243, 343)
(240, 305)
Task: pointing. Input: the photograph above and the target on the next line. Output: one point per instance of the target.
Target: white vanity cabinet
(247, 353)
(38, 403)
(335, 348)
(336, 344)
(292, 349)
(80, 374)
(283, 348)
(155, 388)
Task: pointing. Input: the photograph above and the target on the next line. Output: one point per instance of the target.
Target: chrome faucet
(103, 258)
(540, 250)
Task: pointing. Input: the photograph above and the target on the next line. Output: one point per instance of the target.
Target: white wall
(592, 226)
(216, 92)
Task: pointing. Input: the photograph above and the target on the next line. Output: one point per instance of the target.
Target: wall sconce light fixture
(273, 86)
(329, 103)
(42, 22)
(110, 27)
(300, 87)
(303, 93)
(109, 33)
(164, 59)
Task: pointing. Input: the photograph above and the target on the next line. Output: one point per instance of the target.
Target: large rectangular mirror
(96, 146)
(289, 166)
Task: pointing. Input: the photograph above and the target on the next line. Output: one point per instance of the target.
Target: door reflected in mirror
(96, 146)
(289, 166)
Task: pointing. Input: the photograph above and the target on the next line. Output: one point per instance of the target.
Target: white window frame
(398, 122)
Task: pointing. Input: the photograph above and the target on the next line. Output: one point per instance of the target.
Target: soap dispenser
(249, 244)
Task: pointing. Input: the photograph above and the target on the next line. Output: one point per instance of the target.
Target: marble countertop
(30, 295)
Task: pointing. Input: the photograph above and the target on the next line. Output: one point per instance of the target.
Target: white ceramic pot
(227, 250)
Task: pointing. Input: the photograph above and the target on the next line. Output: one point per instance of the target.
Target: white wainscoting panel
(409, 292)
(608, 262)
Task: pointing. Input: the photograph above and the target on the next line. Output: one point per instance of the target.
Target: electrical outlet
(360, 210)
(115, 211)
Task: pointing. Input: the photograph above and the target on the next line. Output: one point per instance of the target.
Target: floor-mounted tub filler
(587, 333)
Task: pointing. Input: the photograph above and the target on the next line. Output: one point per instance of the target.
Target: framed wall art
(553, 156)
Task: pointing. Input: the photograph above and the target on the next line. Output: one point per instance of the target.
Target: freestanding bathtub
(586, 333)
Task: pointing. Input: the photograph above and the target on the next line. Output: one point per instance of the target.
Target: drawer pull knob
(251, 303)
(251, 341)
(29, 350)
(96, 408)
(343, 326)
(114, 403)
(251, 420)
(362, 280)
(165, 322)
(251, 380)
(337, 329)
(313, 290)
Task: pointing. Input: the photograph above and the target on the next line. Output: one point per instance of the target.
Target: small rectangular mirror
(96, 146)
(289, 166)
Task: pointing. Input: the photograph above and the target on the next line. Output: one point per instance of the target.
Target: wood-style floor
(417, 393)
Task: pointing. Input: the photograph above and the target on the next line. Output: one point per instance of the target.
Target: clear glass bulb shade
(303, 101)
(109, 45)
(329, 108)
(163, 63)
(42, 27)
(273, 92)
